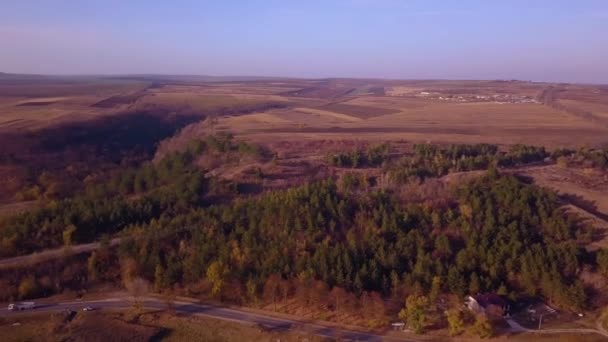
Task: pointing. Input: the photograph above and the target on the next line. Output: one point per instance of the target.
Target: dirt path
(50, 254)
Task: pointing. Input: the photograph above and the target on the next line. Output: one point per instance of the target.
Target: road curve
(217, 312)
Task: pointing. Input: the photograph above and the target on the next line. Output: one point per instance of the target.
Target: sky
(540, 40)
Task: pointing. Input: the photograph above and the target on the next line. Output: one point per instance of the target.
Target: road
(518, 328)
(50, 254)
(217, 312)
(251, 318)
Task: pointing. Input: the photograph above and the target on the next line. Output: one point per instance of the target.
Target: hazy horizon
(553, 41)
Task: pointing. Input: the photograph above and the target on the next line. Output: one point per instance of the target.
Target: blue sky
(546, 40)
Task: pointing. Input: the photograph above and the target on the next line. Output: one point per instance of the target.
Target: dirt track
(52, 254)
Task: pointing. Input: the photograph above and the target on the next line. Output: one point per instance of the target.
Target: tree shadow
(585, 204)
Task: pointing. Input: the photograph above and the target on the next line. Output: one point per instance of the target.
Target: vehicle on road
(21, 306)
(88, 308)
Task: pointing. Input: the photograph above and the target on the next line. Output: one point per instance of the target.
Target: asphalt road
(228, 314)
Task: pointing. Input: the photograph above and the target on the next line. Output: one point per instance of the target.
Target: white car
(88, 308)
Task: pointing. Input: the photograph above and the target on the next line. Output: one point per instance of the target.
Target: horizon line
(260, 77)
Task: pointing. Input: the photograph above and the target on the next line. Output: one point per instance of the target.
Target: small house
(489, 304)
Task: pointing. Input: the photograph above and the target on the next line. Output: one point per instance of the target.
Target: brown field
(149, 326)
(437, 111)
(40, 104)
(437, 122)
(343, 109)
(362, 112)
(599, 109)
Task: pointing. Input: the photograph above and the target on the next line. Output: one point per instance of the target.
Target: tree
(456, 282)
(68, 235)
(502, 290)
(414, 313)
(28, 287)
(435, 289)
(272, 289)
(128, 270)
(483, 327)
(93, 266)
(303, 288)
(252, 290)
(319, 293)
(216, 274)
(474, 286)
(284, 288)
(137, 287)
(159, 278)
(602, 261)
(442, 244)
(378, 308)
(338, 297)
(455, 322)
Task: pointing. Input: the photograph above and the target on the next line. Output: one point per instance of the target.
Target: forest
(132, 196)
(428, 160)
(500, 236)
(336, 243)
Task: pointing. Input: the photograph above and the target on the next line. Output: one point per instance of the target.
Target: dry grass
(28, 328)
(183, 328)
(150, 326)
(549, 337)
(325, 113)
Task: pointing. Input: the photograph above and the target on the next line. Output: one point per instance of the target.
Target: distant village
(495, 98)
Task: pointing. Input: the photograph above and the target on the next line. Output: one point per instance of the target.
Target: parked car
(21, 306)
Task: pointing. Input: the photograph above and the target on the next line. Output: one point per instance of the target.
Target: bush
(455, 322)
(483, 327)
(28, 288)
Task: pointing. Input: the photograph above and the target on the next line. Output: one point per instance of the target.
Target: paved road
(250, 318)
(50, 254)
(228, 314)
